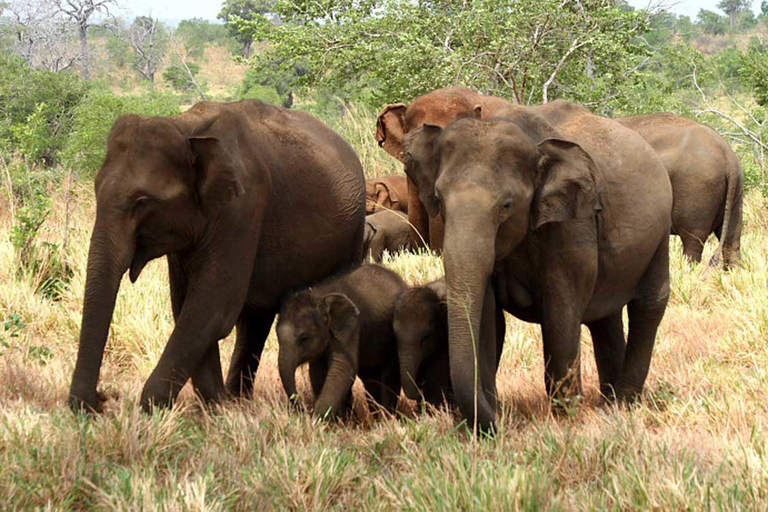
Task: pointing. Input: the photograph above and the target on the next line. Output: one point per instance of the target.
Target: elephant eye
(507, 204)
(303, 339)
(140, 204)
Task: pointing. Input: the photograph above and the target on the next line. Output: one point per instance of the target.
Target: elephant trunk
(409, 368)
(469, 259)
(287, 368)
(107, 262)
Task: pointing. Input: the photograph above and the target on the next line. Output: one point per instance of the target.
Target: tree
(711, 22)
(41, 36)
(244, 10)
(764, 8)
(381, 51)
(733, 8)
(81, 12)
(149, 40)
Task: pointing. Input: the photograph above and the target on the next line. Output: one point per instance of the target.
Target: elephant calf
(386, 231)
(343, 328)
(421, 327)
(384, 193)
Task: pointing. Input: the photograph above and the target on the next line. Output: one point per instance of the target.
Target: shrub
(39, 98)
(93, 120)
(178, 78)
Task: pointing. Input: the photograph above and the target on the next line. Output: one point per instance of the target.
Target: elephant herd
(551, 213)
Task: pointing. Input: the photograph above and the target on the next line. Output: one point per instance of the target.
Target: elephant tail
(730, 233)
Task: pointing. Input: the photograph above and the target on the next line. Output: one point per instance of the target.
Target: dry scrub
(697, 441)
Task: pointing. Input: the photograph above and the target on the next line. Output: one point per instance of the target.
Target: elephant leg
(645, 314)
(609, 343)
(206, 379)
(252, 331)
(390, 386)
(318, 371)
(693, 245)
(561, 331)
(488, 349)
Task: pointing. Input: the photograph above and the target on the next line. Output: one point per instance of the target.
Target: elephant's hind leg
(645, 314)
(252, 331)
(610, 344)
(693, 245)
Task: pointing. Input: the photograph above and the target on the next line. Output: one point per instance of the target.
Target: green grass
(698, 440)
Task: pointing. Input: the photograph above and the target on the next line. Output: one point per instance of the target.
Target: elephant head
(160, 183)
(379, 194)
(312, 327)
(420, 324)
(494, 182)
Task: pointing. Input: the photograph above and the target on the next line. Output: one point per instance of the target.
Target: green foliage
(198, 34)
(233, 11)
(178, 77)
(275, 80)
(35, 106)
(712, 23)
(94, 117)
(754, 69)
(379, 51)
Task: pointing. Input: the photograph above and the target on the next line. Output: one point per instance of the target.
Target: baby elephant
(421, 327)
(387, 230)
(343, 328)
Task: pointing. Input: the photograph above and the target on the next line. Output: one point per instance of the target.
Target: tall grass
(698, 439)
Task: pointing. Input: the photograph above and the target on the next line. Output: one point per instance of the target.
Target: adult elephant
(558, 224)
(248, 201)
(439, 108)
(707, 183)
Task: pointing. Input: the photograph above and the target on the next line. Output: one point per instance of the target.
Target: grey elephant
(343, 328)
(421, 328)
(248, 201)
(707, 183)
(386, 231)
(560, 223)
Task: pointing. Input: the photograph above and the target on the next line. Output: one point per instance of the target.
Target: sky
(208, 9)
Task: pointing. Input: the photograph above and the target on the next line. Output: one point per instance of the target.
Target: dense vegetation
(699, 437)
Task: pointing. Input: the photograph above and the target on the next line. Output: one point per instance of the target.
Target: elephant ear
(566, 186)
(218, 169)
(341, 315)
(370, 232)
(385, 195)
(421, 164)
(390, 129)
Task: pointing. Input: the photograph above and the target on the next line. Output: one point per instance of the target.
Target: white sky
(208, 9)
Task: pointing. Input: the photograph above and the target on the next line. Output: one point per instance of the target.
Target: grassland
(697, 441)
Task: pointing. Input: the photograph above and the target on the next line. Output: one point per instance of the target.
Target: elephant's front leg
(207, 378)
(252, 331)
(215, 296)
(561, 331)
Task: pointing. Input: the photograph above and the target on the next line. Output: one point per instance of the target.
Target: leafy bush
(35, 107)
(269, 79)
(754, 69)
(178, 77)
(198, 34)
(93, 120)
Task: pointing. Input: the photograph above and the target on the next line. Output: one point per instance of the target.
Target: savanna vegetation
(696, 441)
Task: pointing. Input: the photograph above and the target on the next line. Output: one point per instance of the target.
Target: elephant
(421, 327)
(247, 201)
(559, 224)
(343, 327)
(384, 193)
(707, 183)
(439, 107)
(386, 231)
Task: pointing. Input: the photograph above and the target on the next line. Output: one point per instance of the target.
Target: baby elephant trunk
(288, 375)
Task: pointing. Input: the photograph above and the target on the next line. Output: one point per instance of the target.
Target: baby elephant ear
(566, 185)
(341, 314)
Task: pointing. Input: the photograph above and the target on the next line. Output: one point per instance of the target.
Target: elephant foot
(91, 405)
(154, 397)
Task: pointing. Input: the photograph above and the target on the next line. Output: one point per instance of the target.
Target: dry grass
(697, 441)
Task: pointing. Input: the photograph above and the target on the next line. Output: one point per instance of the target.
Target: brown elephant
(343, 328)
(559, 224)
(386, 231)
(248, 201)
(389, 192)
(440, 108)
(707, 183)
